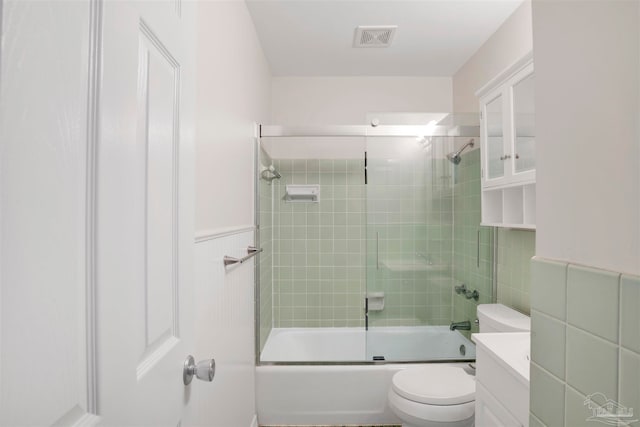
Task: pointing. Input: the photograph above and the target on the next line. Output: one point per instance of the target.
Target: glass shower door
(409, 245)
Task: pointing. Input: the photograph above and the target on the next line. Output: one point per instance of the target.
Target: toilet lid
(435, 385)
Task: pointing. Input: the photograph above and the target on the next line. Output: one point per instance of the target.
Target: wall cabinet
(507, 117)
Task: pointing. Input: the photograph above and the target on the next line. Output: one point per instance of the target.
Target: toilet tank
(500, 318)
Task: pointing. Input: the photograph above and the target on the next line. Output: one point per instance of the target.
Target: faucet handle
(472, 294)
(460, 289)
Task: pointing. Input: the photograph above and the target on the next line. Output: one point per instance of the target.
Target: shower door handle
(377, 250)
(366, 314)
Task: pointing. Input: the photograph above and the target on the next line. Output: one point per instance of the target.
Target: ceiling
(315, 37)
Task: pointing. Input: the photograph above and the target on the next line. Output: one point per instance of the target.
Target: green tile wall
(515, 250)
(585, 339)
(319, 248)
(472, 244)
(319, 262)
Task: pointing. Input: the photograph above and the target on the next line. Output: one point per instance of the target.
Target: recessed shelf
(302, 193)
(492, 206)
(513, 209)
(530, 204)
(510, 207)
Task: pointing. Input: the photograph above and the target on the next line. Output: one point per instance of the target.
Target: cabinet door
(508, 137)
(523, 124)
(490, 412)
(494, 137)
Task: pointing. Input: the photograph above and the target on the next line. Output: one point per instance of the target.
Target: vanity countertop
(509, 349)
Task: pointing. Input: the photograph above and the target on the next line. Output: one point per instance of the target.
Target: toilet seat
(422, 414)
(435, 385)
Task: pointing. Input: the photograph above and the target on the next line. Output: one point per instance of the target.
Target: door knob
(204, 370)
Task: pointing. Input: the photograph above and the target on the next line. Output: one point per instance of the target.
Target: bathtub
(403, 344)
(305, 391)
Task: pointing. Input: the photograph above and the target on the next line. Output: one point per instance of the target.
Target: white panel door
(145, 195)
(96, 219)
(46, 325)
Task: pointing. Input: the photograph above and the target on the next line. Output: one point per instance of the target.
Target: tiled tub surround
(320, 248)
(472, 264)
(585, 339)
(318, 260)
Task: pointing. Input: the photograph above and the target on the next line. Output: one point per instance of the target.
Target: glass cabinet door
(495, 138)
(524, 124)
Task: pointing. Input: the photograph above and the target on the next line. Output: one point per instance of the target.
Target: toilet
(438, 395)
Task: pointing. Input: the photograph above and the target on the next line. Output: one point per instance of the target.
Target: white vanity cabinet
(508, 174)
(502, 379)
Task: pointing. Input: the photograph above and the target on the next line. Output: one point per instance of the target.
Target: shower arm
(471, 143)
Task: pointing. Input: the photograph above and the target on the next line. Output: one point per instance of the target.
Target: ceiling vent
(374, 36)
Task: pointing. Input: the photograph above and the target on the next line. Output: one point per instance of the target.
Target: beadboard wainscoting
(224, 304)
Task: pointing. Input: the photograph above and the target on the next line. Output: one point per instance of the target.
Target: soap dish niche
(376, 301)
(309, 193)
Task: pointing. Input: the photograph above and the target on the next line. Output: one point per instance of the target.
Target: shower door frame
(278, 131)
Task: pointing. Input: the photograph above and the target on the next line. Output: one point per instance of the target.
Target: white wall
(233, 93)
(347, 100)
(300, 101)
(509, 43)
(588, 154)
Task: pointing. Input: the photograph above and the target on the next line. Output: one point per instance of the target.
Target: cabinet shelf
(511, 207)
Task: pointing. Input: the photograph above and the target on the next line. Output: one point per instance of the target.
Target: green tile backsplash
(575, 353)
(515, 250)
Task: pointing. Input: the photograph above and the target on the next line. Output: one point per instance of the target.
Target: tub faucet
(463, 326)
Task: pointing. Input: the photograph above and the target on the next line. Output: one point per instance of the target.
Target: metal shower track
(275, 131)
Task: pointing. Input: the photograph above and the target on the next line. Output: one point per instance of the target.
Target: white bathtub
(342, 394)
(398, 344)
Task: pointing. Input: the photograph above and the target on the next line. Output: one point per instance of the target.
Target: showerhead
(455, 156)
(270, 173)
